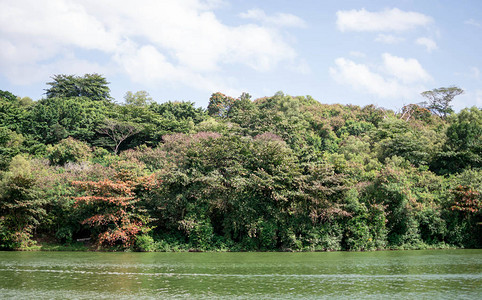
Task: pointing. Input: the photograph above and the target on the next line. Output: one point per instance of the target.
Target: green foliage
(214, 178)
(13, 112)
(7, 96)
(92, 86)
(413, 198)
(145, 243)
(117, 132)
(199, 233)
(21, 204)
(366, 228)
(179, 111)
(396, 137)
(439, 99)
(69, 150)
(10, 146)
(276, 173)
(325, 237)
(464, 209)
(54, 119)
(220, 104)
(155, 120)
(140, 98)
(463, 147)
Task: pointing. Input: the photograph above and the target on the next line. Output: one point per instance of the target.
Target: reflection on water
(435, 274)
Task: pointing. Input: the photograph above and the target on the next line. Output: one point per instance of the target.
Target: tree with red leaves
(467, 200)
(112, 210)
(220, 104)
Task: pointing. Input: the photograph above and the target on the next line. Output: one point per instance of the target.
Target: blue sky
(350, 52)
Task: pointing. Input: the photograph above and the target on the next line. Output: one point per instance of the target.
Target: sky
(378, 52)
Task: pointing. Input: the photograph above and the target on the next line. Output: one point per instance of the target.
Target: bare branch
(118, 131)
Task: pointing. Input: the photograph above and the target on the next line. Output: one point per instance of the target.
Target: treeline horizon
(278, 173)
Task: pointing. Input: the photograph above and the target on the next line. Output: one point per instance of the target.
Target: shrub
(21, 204)
(145, 243)
(69, 150)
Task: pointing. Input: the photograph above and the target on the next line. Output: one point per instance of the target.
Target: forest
(279, 173)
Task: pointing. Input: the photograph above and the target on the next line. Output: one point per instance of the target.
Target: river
(431, 274)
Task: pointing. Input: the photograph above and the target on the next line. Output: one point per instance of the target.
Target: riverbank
(86, 245)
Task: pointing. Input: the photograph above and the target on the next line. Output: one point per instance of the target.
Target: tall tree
(12, 111)
(118, 132)
(53, 119)
(21, 204)
(439, 99)
(139, 98)
(220, 104)
(111, 209)
(7, 96)
(92, 86)
(10, 145)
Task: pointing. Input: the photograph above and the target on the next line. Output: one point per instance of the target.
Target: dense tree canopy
(274, 173)
(53, 119)
(92, 86)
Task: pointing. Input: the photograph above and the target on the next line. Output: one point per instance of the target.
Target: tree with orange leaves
(467, 200)
(112, 210)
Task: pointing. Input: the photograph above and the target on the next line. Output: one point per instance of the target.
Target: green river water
(434, 274)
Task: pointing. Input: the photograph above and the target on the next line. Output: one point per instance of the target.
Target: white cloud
(429, 44)
(175, 41)
(18, 61)
(387, 20)
(156, 68)
(279, 19)
(473, 23)
(360, 77)
(395, 78)
(389, 39)
(407, 70)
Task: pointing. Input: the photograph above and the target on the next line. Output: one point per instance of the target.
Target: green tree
(463, 147)
(396, 137)
(464, 209)
(439, 99)
(413, 199)
(13, 112)
(179, 110)
(10, 146)
(69, 150)
(155, 120)
(7, 96)
(220, 104)
(118, 132)
(21, 204)
(92, 86)
(53, 119)
(140, 98)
